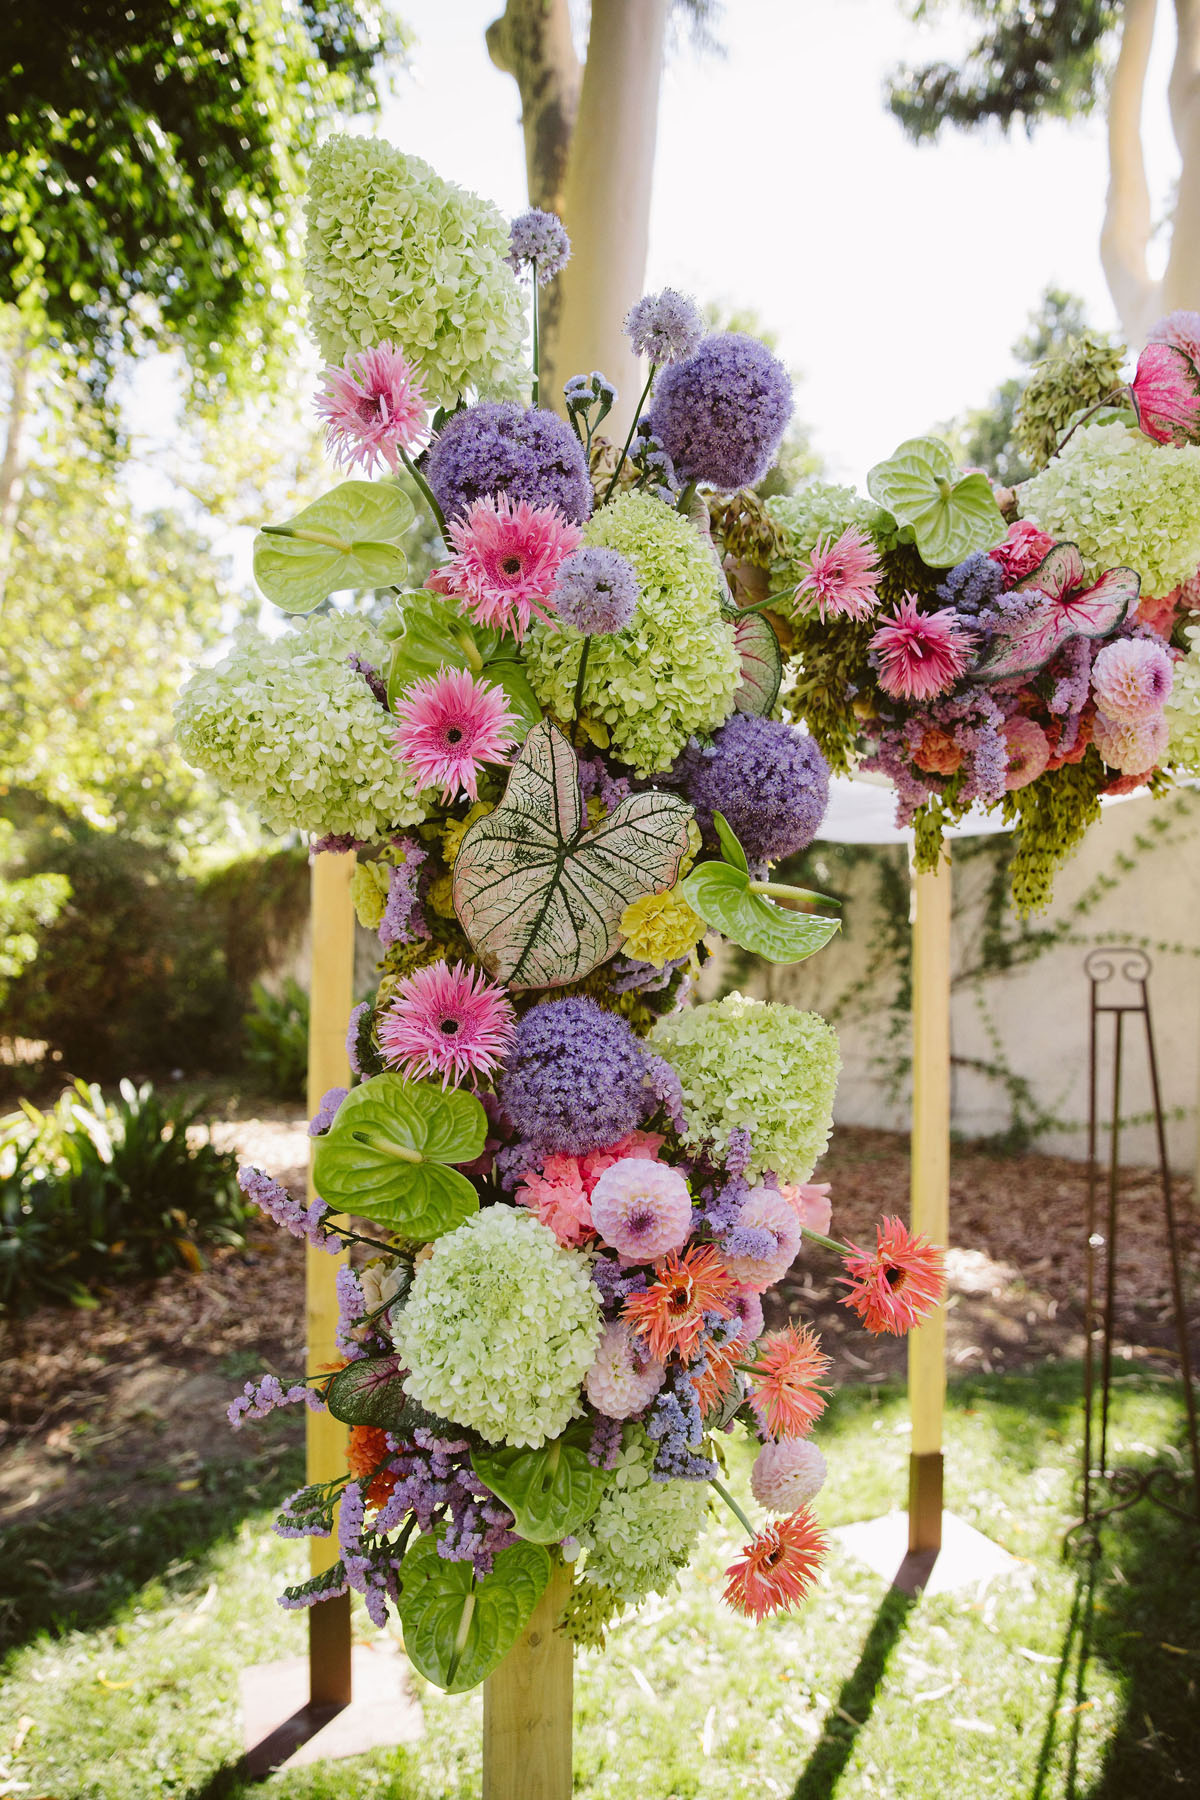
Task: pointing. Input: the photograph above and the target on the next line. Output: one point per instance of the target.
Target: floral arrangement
(564, 771)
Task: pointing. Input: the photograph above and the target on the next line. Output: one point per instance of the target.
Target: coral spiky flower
(670, 1314)
(506, 559)
(785, 1382)
(373, 406)
(896, 1285)
(777, 1567)
(445, 1021)
(920, 654)
(449, 724)
(840, 576)
(715, 1374)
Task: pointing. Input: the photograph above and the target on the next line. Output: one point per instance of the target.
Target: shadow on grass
(852, 1708)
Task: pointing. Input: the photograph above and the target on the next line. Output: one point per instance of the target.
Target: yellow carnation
(660, 928)
(456, 830)
(369, 891)
(440, 896)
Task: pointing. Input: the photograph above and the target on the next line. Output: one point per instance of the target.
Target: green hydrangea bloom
(1124, 500)
(1183, 708)
(759, 1065)
(501, 1326)
(644, 1531)
(394, 252)
(820, 509)
(285, 726)
(673, 671)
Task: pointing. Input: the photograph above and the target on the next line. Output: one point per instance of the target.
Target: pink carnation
(763, 1210)
(810, 1202)
(1028, 750)
(1023, 549)
(623, 1379)
(787, 1474)
(1131, 679)
(560, 1192)
(642, 1209)
(1133, 749)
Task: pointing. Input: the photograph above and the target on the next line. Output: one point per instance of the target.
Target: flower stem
(583, 662)
(537, 348)
(1110, 400)
(732, 1504)
(438, 515)
(684, 503)
(825, 1242)
(762, 605)
(637, 413)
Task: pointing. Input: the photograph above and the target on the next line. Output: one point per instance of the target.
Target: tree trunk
(11, 468)
(1125, 235)
(1181, 282)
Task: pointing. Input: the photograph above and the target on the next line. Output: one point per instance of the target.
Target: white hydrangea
(285, 726)
(500, 1328)
(1183, 708)
(644, 1531)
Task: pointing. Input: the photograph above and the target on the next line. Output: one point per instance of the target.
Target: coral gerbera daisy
(450, 723)
(507, 557)
(777, 1567)
(670, 1314)
(373, 407)
(920, 654)
(896, 1285)
(785, 1382)
(841, 576)
(445, 1021)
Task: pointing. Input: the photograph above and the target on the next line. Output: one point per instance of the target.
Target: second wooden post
(527, 1707)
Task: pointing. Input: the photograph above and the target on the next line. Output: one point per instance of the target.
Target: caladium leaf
(1066, 610)
(724, 896)
(459, 1626)
(385, 1156)
(762, 664)
(539, 895)
(950, 514)
(346, 539)
(371, 1392)
(550, 1492)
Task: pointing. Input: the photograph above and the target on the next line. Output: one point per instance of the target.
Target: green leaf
(371, 1392)
(522, 700)
(550, 1492)
(762, 663)
(539, 896)
(950, 515)
(458, 1627)
(384, 1156)
(721, 895)
(731, 848)
(435, 636)
(346, 539)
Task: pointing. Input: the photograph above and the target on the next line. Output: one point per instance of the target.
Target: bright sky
(896, 278)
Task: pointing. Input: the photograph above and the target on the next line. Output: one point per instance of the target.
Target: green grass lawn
(1062, 1679)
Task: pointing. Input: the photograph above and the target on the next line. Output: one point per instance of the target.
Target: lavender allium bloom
(574, 1079)
(272, 1197)
(499, 447)
(596, 591)
(664, 327)
(721, 414)
(538, 237)
(326, 1112)
(403, 922)
(770, 782)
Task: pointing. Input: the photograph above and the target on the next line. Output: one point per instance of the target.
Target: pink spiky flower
(449, 724)
(507, 557)
(920, 654)
(373, 406)
(777, 1567)
(445, 1021)
(896, 1285)
(841, 576)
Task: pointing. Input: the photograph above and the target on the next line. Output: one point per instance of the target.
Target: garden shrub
(277, 1039)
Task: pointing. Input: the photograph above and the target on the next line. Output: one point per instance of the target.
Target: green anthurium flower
(950, 514)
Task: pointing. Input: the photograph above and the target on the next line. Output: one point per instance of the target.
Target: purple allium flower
(326, 1112)
(271, 1197)
(574, 1079)
(540, 238)
(770, 782)
(497, 447)
(403, 922)
(664, 328)
(596, 591)
(721, 414)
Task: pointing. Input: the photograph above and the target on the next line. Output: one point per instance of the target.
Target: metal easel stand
(1125, 1486)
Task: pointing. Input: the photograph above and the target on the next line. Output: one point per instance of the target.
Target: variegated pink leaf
(1063, 614)
(762, 664)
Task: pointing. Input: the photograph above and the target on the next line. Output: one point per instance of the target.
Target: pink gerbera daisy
(777, 1567)
(373, 407)
(896, 1285)
(445, 1021)
(920, 654)
(841, 576)
(507, 558)
(450, 723)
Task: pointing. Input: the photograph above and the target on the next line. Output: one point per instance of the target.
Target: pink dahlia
(373, 407)
(1133, 749)
(445, 1021)
(920, 654)
(623, 1379)
(1132, 679)
(1166, 395)
(642, 1209)
(1028, 751)
(1023, 549)
(762, 1244)
(810, 1202)
(450, 723)
(787, 1474)
(507, 557)
(841, 577)
(748, 1309)
(1181, 329)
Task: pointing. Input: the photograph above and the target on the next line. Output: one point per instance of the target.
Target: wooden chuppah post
(527, 1708)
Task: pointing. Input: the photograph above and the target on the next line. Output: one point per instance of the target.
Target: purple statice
(1073, 681)
(326, 1112)
(351, 1305)
(974, 721)
(664, 328)
(435, 1482)
(667, 1089)
(770, 782)
(326, 1586)
(615, 1284)
(403, 922)
(358, 1031)
(723, 1202)
(496, 447)
(308, 1512)
(370, 675)
(272, 1198)
(370, 1565)
(738, 1151)
(748, 1241)
(538, 238)
(595, 779)
(604, 1451)
(633, 977)
(972, 584)
(337, 843)
(258, 1398)
(574, 1078)
(722, 412)
(674, 1422)
(596, 591)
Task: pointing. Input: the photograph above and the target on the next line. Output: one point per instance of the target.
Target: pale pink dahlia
(449, 724)
(1131, 679)
(507, 557)
(762, 1244)
(787, 1474)
(747, 1307)
(560, 1192)
(920, 654)
(623, 1379)
(1023, 549)
(810, 1202)
(445, 1021)
(373, 407)
(841, 577)
(1133, 749)
(1028, 751)
(1181, 329)
(642, 1209)
(1166, 395)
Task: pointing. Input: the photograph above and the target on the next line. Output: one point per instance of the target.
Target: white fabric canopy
(862, 810)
